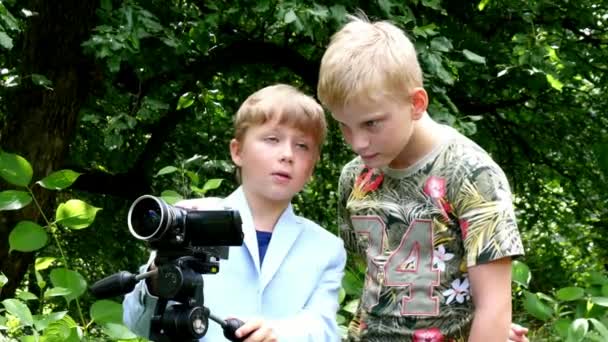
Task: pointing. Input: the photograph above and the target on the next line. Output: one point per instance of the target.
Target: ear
(235, 152)
(420, 102)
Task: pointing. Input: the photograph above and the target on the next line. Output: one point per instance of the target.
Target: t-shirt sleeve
(484, 206)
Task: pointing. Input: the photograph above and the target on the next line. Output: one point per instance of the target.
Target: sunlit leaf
(570, 293)
(14, 199)
(59, 180)
(166, 170)
(43, 263)
(578, 329)
(27, 236)
(117, 331)
(106, 311)
(26, 295)
(18, 309)
(57, 292)
(41, 322)
(15, 169)
(185, 101)
(521, 273)
(473, 57)
(76, 214)
(171, 196)
(212, 184)
(536, 307)
(72, 280)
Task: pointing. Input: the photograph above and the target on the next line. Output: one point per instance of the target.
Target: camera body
(177, 232)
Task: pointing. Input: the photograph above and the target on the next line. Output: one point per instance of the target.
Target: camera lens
(146, 218)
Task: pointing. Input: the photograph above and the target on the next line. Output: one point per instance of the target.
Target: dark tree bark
(40, 123)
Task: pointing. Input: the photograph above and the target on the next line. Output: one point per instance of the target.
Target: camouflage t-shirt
(420, 228)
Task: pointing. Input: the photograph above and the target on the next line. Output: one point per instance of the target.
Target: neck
(265, 213)
(424, 139)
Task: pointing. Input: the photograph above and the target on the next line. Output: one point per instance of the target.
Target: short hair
(286, 104)
(365, 59)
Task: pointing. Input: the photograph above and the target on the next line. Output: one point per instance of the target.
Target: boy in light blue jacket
(285, 278)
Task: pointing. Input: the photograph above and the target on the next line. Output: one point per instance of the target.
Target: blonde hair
(286, 104)
(365, 59)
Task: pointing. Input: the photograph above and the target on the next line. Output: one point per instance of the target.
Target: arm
(138, 306)
(317, 320)
(491, 293)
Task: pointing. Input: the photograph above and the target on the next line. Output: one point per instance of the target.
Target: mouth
(369, 156)
(281, 175)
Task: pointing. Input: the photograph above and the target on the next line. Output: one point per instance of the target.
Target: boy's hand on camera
(257, 331)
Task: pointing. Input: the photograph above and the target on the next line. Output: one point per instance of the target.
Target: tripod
(179, 314)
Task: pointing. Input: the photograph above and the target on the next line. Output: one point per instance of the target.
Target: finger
(248, 328)
(263, 334)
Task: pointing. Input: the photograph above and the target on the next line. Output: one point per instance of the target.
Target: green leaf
(72, 280)
(15, 169)
(3, 280)
(441, 44)
(59, 180)
(473, 57)
(185, 101)
(601, 301)
(341, 295)
(14, 199)
(482, 4)
(554, 82)
(351, 307)
(41, 322)
(578, 329)
(166, 170)
(27, 236)
(171, 197)
(212, 184)
(61, 330)
(26, 295)
(76, 214)
(18, 309)
(106, 311)
(600, 327)
(536, 308)
(570, 293)
(521, 273)
(41, 80)
(117, 331)
(43, 263)
(40, 280)
(605, 290)
(290, 17)
(561, 326)
(6, 41)
(57, 292)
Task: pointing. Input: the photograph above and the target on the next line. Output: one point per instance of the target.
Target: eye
(271, 139)
(371, 123)
(302, 146)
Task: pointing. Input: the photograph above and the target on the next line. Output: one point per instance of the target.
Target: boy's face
(378, 130)
(276, 160)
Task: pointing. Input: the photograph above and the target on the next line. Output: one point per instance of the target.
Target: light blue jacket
(296, 288)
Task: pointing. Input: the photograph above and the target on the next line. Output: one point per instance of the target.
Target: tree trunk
(40, 123)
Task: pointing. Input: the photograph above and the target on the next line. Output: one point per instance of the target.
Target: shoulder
(350, 171)
(320, 235)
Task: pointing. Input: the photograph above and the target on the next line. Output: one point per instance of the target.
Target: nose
(287, 153)
(359, 141)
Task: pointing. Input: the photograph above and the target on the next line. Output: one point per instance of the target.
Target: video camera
(188, 243)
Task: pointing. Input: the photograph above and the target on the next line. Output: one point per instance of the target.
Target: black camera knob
(230, 327)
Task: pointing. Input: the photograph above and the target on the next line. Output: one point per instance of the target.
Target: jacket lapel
(285, 233)
(237, 200)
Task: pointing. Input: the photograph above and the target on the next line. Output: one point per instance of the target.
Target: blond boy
(284, 280)
(427, 207)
